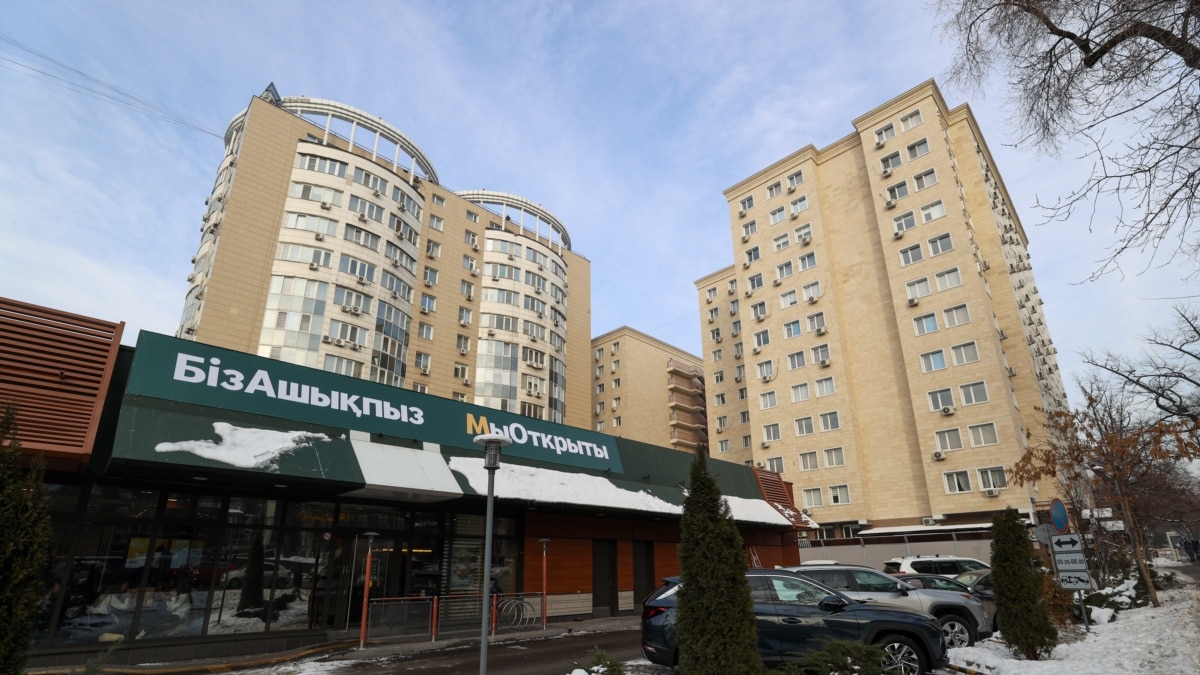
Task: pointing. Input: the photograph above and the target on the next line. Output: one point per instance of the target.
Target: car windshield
(969, 578)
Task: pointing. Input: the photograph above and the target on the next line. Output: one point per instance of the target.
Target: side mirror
(833, 603)
(904, 587)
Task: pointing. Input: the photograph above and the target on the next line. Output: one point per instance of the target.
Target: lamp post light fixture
(491, 444)
(1134, 539)
(362, 627)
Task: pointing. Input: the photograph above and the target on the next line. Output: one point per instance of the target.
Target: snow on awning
(924, 529)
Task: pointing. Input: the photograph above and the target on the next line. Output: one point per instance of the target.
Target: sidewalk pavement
(349, 651)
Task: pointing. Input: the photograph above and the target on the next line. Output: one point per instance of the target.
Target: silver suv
(962, 615)
(944, 565)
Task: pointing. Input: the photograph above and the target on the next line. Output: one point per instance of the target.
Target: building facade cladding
(329, 242)
(648, 390)
(881, 324)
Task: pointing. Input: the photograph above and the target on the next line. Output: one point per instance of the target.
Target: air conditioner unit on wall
(939, 455)
(928, 521)
(821, 330)
(991, 492)
(913, 302)
(948, 410)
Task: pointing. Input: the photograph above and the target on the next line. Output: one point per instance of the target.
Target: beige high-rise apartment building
(648, 390)
(330, 242)
(879, 339)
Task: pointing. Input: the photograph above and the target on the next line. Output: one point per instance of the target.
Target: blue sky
(626, 120)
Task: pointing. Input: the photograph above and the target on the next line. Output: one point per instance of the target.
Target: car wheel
(901, 655)
(957, 631)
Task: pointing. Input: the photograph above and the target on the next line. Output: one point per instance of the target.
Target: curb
(969, 671)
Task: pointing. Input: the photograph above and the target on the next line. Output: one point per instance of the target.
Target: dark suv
(794, 613)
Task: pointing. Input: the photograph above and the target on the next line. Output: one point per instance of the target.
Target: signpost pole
(1083, 612)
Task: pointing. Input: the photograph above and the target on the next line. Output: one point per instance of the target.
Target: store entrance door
(346, 574)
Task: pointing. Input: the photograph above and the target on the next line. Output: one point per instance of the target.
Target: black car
(794, 614)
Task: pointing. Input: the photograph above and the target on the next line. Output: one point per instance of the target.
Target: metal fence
(434, 616)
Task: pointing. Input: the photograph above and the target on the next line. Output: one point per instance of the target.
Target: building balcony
(685, 385)
(687, 421)
(679, 368)
(686, 403)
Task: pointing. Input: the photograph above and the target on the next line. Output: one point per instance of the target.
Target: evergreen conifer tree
(24, 546)
(715, 620)
(1021, 609)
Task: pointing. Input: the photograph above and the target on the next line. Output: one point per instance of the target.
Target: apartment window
(737, 350)
(825, 387)
(804, 232)
(754, 282)
(715, 335)
(774, 189)
(733, 307)
(839, 494)
(983, 434)
(941, 398)
(975, 392)
(931, 361)
(890, 162)
(719, 377)
(361, 237)
(820, 353)
(719, 399)
(766, 400)
(925, 324)
(717, 355)
(436, 223)
(710, 294)
(799, 205)
(886, 133)
(940, 244)
(472, 216)
(422, 361)
(808, 261)
(800, 391)
(925, 179)
(617, 421)
(957, 481)
(747, 203)
(904, 222)
(785, 270)
(932, 211)
(816, 321)
(911, 255)
(722, 422)
(830, 421)
(732, 286)
(948, 439)
(808, 461)
(758, 309)
(918, 288)
(812, 497)
(787, 299)
(616, 383)
(431, 276)
(781, 242)
(438, 200)
(948, 279)
(321, 165)
(713, 314)
(956, 316)
(770, 432)
(775, 464)
(910, 120)
(749, 228)
(992, 477)
(804, 426)
(918, 149)
(766, 369)
(747, 441)
(965, 353)
(795, 179)
(812, 290)
(834, 457)
(762, 338)
(741, 392)
(425, 331)
(428, 302)
(462, 398)
(723, 445)
(600, 388)
(791, 329)
(898, 191)
(778, 215)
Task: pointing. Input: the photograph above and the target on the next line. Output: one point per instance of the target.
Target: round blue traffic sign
(1058, 515)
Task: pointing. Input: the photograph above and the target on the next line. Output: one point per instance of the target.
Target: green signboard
(173, 370)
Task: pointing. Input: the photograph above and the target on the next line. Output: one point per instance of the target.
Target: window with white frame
(898, 191)
(431, 276)
(956, 316)
(808, 261)
(910, 120)
(975, 392)
(812, 497)
(931, 212)
(925, 179)
(948, 439)
(931, 361)
(784, 270)
(770, 432)
(722, 422)
(941, 398)
(923, 325)
(774, 189)
(749, 228)
(795, 360)
(436, 223)
(752, 254)
(766, 400)
(820, 353)
(804, 426)
(816, 321)
(992, 478)
(834, 457)
(947, 279)
(787, 299)
(839, 494)
(890, 162)
(791, 329)
(778, 215)
(719, 399)
(957, 481)
(781, 242)
(718, 354)
(744, 417)
(911, 255)
(754, 282)
(775, 464)
(723, 445)
(710, 294)
(741, 392)
(758, 309)
(940, 244)
(799, 205)
(762, 338)
(904, 222)
(747, 441)
(732, 286)
(733, 307)
(800, 391)
(830, 421)
(343, 366)
(918, 288)
(420, 387)
(747, 203)
(885, 133)
(826, 387)
(766, 369)
(795, 179)
(918, 149)
(719, 376)
(808, 461)
(812, 290)
(425, 331)
(713, 313)
(965, 353)
(983, 434)
(472, 216)
(803, 233)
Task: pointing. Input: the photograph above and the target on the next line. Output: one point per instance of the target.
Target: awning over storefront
(405, 474)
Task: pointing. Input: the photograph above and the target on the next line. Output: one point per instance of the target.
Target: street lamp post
(544, 599)
(491, 444)
(1127, 520)
(362, 627)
